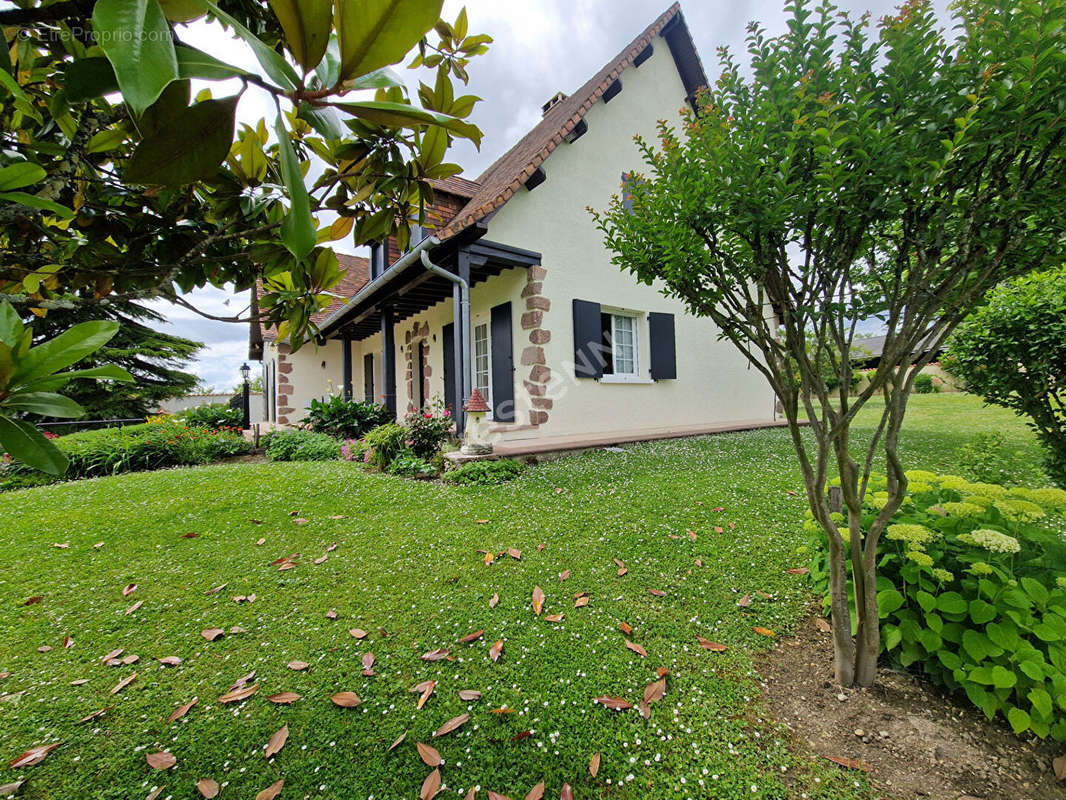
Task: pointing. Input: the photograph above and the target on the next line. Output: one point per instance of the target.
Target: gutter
(464, 306)
(402, 263)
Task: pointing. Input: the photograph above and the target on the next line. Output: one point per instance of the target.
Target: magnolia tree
(118, 180)
(851, 175)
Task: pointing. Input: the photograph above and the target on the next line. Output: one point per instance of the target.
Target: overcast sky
(541, 47)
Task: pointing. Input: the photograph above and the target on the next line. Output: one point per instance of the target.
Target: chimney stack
(558, 98)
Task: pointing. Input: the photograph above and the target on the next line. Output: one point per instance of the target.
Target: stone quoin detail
(416, 336)
(284, 385)
(533, 356)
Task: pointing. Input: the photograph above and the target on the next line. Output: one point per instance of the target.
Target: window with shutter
(663, 347)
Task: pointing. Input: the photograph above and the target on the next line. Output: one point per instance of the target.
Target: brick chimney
(558, 98)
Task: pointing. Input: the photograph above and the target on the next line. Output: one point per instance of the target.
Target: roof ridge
(559, 120)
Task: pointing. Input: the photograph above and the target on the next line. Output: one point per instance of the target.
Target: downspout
(464, 306)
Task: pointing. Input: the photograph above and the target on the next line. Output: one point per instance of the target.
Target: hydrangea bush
(972, 593)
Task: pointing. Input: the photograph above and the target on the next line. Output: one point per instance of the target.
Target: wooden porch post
(346, 364)
(388, 358)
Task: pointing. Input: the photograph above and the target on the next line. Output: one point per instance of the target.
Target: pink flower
(446, 413)
(428, 415)
(366, 457)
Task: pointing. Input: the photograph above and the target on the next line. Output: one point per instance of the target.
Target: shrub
(427, 430)
(345, 419)
(923, 384)
(1012, 352)
(484, 473)
(384, 443)
(987, 458)
(411, 466)
(972, 592)
(353, 450)
(110, 451)
(302, 446)
(213, 416)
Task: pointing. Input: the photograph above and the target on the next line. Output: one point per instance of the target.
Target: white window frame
(625, 377)
(487, 393)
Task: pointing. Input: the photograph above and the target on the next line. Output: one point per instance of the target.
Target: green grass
(406, 569)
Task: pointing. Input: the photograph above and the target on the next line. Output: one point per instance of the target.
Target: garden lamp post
(246, 421)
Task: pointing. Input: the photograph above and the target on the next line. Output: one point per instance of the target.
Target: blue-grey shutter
(588, 340)
(368, 377)
(502, 364)
(663, 348)
(450, 399)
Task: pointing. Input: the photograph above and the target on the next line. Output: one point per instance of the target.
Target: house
(567, 349)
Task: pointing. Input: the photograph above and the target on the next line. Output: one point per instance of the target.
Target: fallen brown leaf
(764, 631)
(297, 666)
(207, 787)
(537, 792)
(277, 741)
(496, 650)
(636, 648)
(34, 600)
(272, 791)
(581, 601)
(564, 575)
(429, 755)
(503, 710)
(190, 535)
(332, 546)
(94, 715)
(357, 633)
(122, 684)
(331, 614)
(451, 725)
(11, 789)
(170, 661)
(691, 535)
(1059, 766)
(244, 680)
(35, 755)
(426, 688)
(132, 658)
(822, 624)
(494, 600)
(613, 703)
(284, 698)
(471, 637)
(216, 590)
(497, 796)
(44, 648)
(431, 786)
(68, 641)
(134, 607)
(594, 764)
(714, 647)
(346, 699)
(397, 743)
(239, 695)
(112, 655)
(160, 760)
(320, 560)
(435, 655)
(260, 542)
(799, 571)
(553, 617)
(625, 628)
(745, 601)
(368, 660)
(514, 553)
(538, 600)
(657, 592)
(469, 694)
(182, 710)
(130, 589)
(850, 763)
(567, 793)
(212, 633)
(301, 520)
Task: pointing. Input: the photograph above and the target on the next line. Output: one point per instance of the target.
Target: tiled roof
(460, 187)
(500, 181)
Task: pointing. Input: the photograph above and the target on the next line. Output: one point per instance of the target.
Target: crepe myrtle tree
(855, 172)
(118, 182)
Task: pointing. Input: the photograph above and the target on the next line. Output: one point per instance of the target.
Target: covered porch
(427, 276)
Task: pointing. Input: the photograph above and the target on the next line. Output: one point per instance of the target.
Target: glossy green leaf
(20, 174)
(189, 149)
(1019, 720)
(275, 65)
(298, 229)
(32, 200)
(47, 404)
(87, 78)
(10, 325)
(52, 382)
(68, 348)
(24, 442)
(376, 33)
(888, 601)
(307, 25)
(193, 63)
(136, 38)
(106, 140)
(400, 115)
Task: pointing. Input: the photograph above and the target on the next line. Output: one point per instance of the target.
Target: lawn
(405, 567)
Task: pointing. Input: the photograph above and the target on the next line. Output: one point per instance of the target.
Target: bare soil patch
(916, 741)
